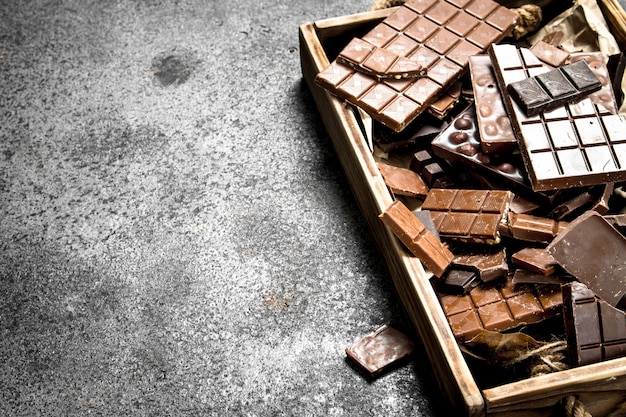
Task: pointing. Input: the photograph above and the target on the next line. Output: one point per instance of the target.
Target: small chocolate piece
(529, 228)
(447, 100)
(535, 260)
(572, 146)
(459, 281)
(429, 169)
(549, 53)
(468, 215)
(496, 134)
(524, 276)
(380, 349)
(422, 243)
(554, 88)
(490, 264)
(570, 206)
(377, 62)
(402, 181)
(440, 37)
(499, 307)
(593, 252)
(595, 330)
(601, 205)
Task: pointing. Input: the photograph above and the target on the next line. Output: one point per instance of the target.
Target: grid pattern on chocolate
(595, 330)
(499, 307)
(469, 215)
(438, 35)
(572, 145)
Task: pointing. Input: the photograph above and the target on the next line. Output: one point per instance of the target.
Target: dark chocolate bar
(422, 243)
(554, 88)
(571, 146)
(380, 349)
(594, 329)
(499, 307)
(468, 215)
(593, 252)
(439, 35)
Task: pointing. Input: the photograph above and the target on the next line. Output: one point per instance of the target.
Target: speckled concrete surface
(176, 234)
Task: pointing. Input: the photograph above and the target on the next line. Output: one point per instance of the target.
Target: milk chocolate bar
(594, 329)
(380, 349)
(422, 243)
(554, 88)
(529, 228)
(378, 62)
(499, 307)
(570, 146)
(402, 181)
(468, 215)
(593, 252)
(494, 126)
(437, 34)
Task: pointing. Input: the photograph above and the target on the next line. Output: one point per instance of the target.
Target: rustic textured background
(176, 234)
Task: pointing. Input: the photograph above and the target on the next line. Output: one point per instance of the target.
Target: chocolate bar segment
(593, 252)
(468, 215)
(570, 146)
(437, 35)
(496, 134)
(378, 62)
(499, 307)
(490, 264)
(554, 88)
(421, 242)
(535, 260)
(595, 330)
(529, 228)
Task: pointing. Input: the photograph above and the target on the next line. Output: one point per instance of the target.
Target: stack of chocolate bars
(513, 196)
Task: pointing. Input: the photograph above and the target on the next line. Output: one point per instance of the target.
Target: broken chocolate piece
(422, 243)
(402, 181)
(380, 349)
(536, 260)
(593, 252)
(490, 264)
(549, 53)
(595, 330)
(527, 227)
(459, 281)
(468, 215)
(381, 63)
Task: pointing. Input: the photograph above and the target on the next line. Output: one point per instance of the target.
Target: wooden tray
(601, 387)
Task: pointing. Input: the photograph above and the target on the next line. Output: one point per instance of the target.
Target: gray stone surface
(176, 234)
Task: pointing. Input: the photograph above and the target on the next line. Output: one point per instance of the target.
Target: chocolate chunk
(468, 215)
(554, 88)
(447, 100)
(549, 53)
(499, 307)
(496, 134)
(440, 37)
(536, 260)
(524, 276)
(491, 264)
(378, 62)
(380, 349)
(593, 252)
(567, 208)
(571, 146)
(422, 243)
(595, 330)
(402, 181)
(459, 281)
(526, 227)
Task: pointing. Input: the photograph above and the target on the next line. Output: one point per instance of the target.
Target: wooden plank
(408, 275)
